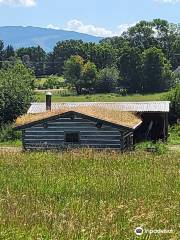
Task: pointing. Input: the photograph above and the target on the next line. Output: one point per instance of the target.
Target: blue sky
(96, 17)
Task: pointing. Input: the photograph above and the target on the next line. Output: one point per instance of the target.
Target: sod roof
(126, 119)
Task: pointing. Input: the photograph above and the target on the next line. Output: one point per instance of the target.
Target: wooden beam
(166, 123)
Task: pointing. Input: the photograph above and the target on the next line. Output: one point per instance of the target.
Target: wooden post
(166, 123)
(132, 141)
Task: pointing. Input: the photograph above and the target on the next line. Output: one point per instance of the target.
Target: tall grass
(84, 194)
(174, 137)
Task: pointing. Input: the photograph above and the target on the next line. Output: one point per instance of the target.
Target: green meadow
(64, 95)
(85, 194)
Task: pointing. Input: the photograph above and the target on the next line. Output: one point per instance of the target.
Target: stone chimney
(48, 101)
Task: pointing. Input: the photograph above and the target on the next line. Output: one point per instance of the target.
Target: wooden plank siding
(52, 136)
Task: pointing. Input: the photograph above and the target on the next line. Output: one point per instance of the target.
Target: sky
(96, 17)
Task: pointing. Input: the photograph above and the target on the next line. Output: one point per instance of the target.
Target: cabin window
(72, 137)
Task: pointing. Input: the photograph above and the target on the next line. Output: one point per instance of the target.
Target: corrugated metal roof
(159, 106)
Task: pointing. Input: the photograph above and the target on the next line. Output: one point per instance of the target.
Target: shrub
(53, 83)
(174, 97)
(122, 91)
(158, 147)
(174, 134)
(7, 133)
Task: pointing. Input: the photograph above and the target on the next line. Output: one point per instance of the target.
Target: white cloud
(51, 26)
(26, 3)
(167, 1)
(124, 27)
(79, 26)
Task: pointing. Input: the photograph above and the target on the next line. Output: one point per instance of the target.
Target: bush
(174, 137)
(174, 97)
(122, 91)
(53, 83)
(7, 133)
(158, 147)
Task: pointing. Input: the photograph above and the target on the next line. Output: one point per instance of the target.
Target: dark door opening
(152, 127)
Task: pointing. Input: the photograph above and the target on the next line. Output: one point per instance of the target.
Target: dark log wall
(52, 134)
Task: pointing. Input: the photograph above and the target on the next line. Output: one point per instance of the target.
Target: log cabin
(96, 125)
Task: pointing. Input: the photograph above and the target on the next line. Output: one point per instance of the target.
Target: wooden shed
(94, 127)
(92, 124)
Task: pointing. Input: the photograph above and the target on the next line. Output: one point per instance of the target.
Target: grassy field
(83, 194)
(16, 143)
(174, 137)
(39, 83)
(63, 96)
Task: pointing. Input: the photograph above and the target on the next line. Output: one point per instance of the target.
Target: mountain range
(19, 36)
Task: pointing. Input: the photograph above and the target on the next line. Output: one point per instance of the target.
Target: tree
(40, 58)
(1, 45)
(116, 42)
(27, 61)
(1, 52)
(73, 72)
(166, 38)
(103, 55)
(158, 33)
(156, 69)
(174, 98)
(64, 50)
(9, 52)
(16, 91)
(49, 64)
(141, 35)
(107, 80)
(129, 65)
(33, 57)
(89, 75)
(177, 52)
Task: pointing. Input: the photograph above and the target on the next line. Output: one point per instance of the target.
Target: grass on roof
(126, 119)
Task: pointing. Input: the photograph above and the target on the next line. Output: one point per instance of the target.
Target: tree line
(141, 60)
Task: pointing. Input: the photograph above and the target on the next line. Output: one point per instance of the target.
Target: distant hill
(18, 36)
